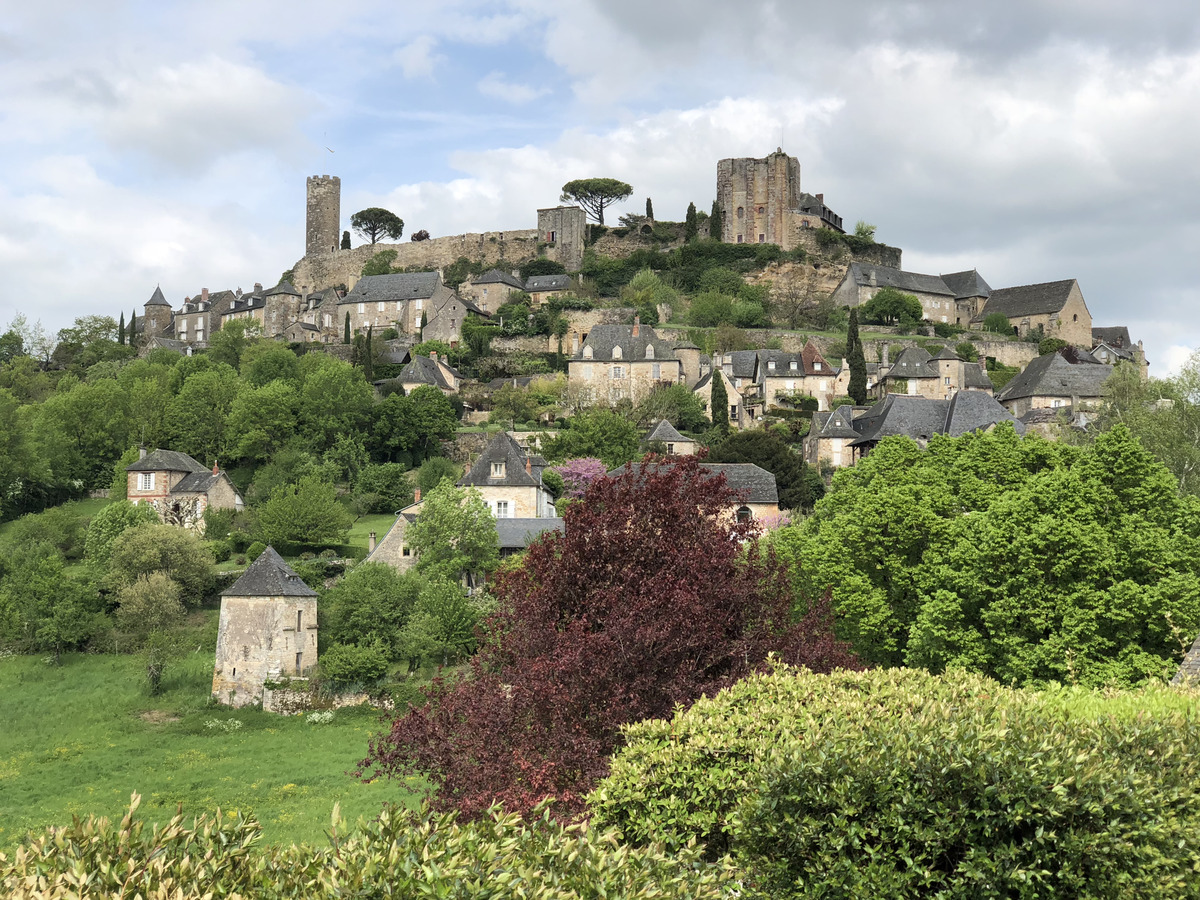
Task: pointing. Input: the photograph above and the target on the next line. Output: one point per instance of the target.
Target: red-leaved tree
(652, 597)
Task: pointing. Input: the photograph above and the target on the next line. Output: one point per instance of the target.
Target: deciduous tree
(454, 536)
(648, 600)
(892, 307)
(305, 513)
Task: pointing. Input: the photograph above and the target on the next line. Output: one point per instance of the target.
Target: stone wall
(317, 272)
(295, 696)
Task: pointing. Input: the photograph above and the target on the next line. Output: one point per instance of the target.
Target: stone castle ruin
(762, 203)
(324, 217)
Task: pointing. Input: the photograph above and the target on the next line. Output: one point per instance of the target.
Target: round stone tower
(324, 215)
(156, 315)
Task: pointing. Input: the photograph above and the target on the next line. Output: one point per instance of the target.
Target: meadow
(80, 738)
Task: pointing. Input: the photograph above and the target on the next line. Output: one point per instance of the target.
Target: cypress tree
(346, 335)
(424, 322)
(718, 399)
(649, 210)
(368, 363)
(132, 331)
(690, 228)
(121, 329)
(857, 362)
(714, 222)
(345, 240)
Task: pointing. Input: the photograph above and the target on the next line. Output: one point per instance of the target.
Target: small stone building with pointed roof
(179, 488)
(543, 287)
(829, 438)
(267, 631)
(677, 445)
(757, 493)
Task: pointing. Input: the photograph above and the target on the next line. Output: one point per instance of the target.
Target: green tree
(715, 222)
(649, 210)
(42, 607)
(370, 605)
(892, 307)
(346, 332)
(998, 323)
(229, 343)
(383, 488)
(121, 329)
(374, 223)
(1024, 560)
(307, 513)
(380, 263)
(113, 521)
(454, 537)
(262, 421)
(857, 362)
(595, 194)
(718, 401)
(674, 402)
(413, 426)
(198, 413)
(864, 230)
(151, 603)
(798, 484)
(345, 240)
(264, 361)
(602, 433)
(1050, 345)
(177, 552)
(334, 400)
(434, 471)
(690, 224)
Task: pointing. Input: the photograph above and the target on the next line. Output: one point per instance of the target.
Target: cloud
(494, 84)
(417, 59)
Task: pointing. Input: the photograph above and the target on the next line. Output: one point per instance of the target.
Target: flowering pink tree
(577, 474)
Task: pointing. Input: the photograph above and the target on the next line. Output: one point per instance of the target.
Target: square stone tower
(756, 197)
(267, 630)
(324, 215)
(562, 228)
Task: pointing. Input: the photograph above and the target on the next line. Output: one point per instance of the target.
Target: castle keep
(324, 215)
(762, 202)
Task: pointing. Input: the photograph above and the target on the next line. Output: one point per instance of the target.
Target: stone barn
(267, 631)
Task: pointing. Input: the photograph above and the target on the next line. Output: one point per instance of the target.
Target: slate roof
(400, 286)
(269, 576)
(1116, 336)
(975, 376)
(839, 424)
(495, 276)
(921, 418)
(284, 287)
(753, 483)
(966, 284)
(157, 298)
(548, 283)
(166, 461)
(517, 534)
(1053, 376)
(424, 370)
(664, 431)
(602, 339)
(1029, 299)
(742, 363)
(946, 353)
(196, 483)
(913, 362)
(783, 364)
(245, 302)
(502, 448)
(886, 276)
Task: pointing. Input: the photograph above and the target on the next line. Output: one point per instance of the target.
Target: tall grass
(82, 737)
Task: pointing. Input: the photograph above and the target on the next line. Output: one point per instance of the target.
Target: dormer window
(792, 365)
(649, 351)
(816, 366)
(770, 365)
(616, 352)
(587, 352)
(498, 470)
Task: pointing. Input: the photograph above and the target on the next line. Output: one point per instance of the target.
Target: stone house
(490, 290)
(267, 631)
(1065, 378)
(394, 301)
(781, 375)
(510, 481)
(429, 370)
(320, 308)
(918, 374)
(1054, 309)
(179, 488)
(304, 333)
(758, 496)
(446, 319)
(623, 362)
(543, 287)
(829, 438)
(740, 415)
(939, 302)
(247, 307)
(1112, 345)
(677, 445)
(198, 317)
(157, 316)
(563, 229)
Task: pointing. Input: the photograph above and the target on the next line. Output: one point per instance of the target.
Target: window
(380, 306)
(328, 320)
(947, 379)
(792, 365)
(551, 236)
(299, 662)
(587, 352)
(816, 366)
(770, 365)
(733, 411)
(740, 212)
(943, 318)
(649, 351)
(791, 385)
(618, 372)
(420, 305)
(145, 481)
(656, 371)
(362, 307)
(587, 371)
(405, 551)
(501, 509)
(617, 352)
(739, 240)
(671, 449)
(498, 470)
(737, 383)
(762, 238)
(299, 616)
(744, 514)
(760, 210)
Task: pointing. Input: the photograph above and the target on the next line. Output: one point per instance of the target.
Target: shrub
(162, 548)
(343, 665)
(110, 523)
(997, 322)
(218, 523)
(255, 550)
(220, 550)
(967, 351)
(896, 783)
(400, 853)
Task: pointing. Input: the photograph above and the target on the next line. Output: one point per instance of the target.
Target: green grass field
(80, 738)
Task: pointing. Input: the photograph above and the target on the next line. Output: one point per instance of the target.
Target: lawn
(80, 738)
(363, 525)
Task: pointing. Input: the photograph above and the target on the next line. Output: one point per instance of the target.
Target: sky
(167, 143)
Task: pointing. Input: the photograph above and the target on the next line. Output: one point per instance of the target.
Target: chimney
(433, 355)
(370, 542)
(204, 294)
(257, 288)
(141, 451)
(574, 343)
(637, 325)
(216, 471)
(821, 199)
(883, 361)
(871, 278)
(528, 466)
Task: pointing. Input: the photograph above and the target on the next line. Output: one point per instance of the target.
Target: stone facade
(267, 631)
(619, 362)
(323, 222)
(562, 229)
(179, 488)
